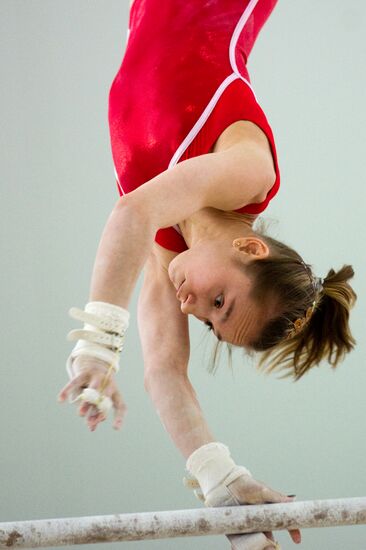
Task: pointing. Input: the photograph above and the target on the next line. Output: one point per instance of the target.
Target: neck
(210, 224)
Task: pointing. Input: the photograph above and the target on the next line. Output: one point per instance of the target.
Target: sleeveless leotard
(182, 82)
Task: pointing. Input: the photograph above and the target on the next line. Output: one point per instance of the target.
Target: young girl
(196, 163)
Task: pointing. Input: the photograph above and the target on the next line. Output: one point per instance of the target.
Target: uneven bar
(182, 523)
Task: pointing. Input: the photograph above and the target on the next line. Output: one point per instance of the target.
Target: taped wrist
(102, 335)
(212, 465)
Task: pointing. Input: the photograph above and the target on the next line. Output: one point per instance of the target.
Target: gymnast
(196, 163)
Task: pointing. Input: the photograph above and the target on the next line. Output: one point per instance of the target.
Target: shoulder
(247, 136)
(241, 131)
(245, 133)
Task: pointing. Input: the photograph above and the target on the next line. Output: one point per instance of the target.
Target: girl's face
(211, 286)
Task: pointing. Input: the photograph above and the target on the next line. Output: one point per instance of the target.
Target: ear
(252, 246)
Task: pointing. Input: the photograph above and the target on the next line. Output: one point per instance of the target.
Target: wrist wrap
(212, 464)
(102, 335)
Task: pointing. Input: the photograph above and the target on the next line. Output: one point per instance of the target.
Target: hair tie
(319, 284)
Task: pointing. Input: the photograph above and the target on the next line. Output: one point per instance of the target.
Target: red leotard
(182, 82)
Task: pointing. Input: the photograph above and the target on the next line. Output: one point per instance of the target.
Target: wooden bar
(182, 523)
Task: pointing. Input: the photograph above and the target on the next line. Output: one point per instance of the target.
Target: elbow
(130, 207)
(269, 175)
(267, 179)
(270, 178)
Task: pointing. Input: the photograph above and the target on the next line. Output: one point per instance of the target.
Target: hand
(244, 489)
(94, 374)
(247, 490)
(222, 483)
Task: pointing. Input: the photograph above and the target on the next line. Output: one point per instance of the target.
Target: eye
(219, 301)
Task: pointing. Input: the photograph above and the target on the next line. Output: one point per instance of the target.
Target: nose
(189, 304)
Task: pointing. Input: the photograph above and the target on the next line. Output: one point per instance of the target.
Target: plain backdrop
(58, 60)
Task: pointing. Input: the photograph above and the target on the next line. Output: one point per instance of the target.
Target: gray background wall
(57, 187)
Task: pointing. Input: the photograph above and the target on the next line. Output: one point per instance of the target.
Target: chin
(171, 270)
(174, 272)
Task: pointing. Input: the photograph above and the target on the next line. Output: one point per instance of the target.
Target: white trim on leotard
(236, 34)
(202, 119)
(118, 182)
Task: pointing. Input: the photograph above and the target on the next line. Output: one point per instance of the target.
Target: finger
(92, 412)
(96, 414)
(119, 409)
(94, 420)
(271, 496)
(251, 541)
(84, 408)
(71, 386)
(295, 535)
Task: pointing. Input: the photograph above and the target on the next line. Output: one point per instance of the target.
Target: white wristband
(102, 335)
(211, 464)
(104, 316)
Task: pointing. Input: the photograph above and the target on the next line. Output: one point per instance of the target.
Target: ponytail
(333, 315)
(324, 331)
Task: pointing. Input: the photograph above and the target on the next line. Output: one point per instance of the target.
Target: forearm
(164, 334)
(177, 406)
(125, 244)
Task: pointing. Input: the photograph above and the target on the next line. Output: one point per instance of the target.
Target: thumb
(251, 541)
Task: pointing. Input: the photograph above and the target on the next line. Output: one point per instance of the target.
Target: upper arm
(163, 328)
(226, 180)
